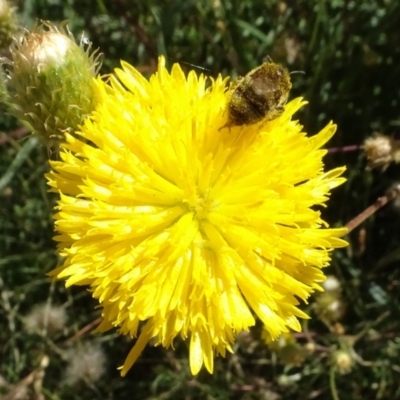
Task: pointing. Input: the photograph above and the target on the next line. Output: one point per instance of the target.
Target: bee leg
(276, 113)
(227, 125)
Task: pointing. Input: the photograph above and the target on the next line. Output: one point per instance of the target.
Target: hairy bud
(8, 24)
(343, 361)
(51, 81)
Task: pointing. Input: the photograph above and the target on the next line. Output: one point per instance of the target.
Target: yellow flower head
(181, 228)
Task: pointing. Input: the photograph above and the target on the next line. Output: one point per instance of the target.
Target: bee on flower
(185, 230)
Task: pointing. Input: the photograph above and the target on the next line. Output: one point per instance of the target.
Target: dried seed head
(85, 363)
(380, 151)
(46, 320)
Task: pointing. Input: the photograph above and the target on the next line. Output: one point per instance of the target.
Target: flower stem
(22, 155)
(380, 202)
(332, 382)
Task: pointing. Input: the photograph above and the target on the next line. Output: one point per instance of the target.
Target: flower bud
(292, 354)
(310, 348)
(331, 284)
(285, 347)
(330, 306)
(51, 81)
(8, 24)
(343, 361)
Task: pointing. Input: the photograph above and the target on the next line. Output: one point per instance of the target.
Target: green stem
(22, 155)
(332, 382)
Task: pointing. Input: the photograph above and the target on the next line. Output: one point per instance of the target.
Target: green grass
(350, 55)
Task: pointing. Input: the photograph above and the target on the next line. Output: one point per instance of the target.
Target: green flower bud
(8, 24)
(286, 348)
(51, 81)
(292, 354)
(343, 361)
(330, 306)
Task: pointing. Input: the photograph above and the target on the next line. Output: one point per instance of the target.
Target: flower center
(200, 205)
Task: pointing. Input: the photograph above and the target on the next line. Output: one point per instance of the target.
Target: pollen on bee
(259, 95)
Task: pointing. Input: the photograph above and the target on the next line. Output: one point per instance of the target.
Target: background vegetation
(350, 53)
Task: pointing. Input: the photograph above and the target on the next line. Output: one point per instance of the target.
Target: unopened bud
(331, 284)
(8, 24)
(338, 329)
(330, 306)
(310, 347)
(285, 347)
(343, 361)
(292, 354)
(51, 81)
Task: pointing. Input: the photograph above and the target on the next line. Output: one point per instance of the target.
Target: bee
(259, 95)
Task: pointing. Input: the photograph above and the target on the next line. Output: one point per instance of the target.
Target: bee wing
(262, 84)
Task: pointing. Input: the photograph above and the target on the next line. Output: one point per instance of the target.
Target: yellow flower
(184, 229)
